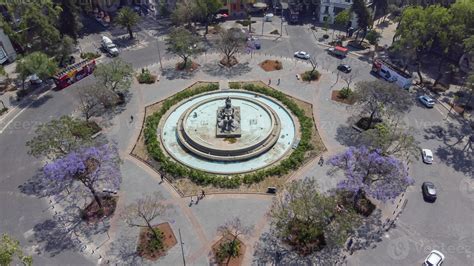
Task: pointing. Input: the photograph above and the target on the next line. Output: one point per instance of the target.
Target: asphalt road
(445, 225)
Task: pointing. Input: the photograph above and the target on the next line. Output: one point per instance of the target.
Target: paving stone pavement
(198, 223)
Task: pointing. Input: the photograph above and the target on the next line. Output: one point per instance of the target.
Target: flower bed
(151, 249)
(271, 65)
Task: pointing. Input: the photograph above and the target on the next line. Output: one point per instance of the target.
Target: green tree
(9, 249)
(364, 18)
(206, 9)
(142, 212)
(231, 41)
(35, 63)
(181, 42)
(36, 31)
(420, 28)
(70, 22)
(342, 20)
(308, 220)
(392, 138)
(59, 137)
(184, 13)
(379, 99)
(230, 231)
(115, 76)
(128, 19)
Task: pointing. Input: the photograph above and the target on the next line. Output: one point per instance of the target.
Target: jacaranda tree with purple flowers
(93, 167)
(369, 172)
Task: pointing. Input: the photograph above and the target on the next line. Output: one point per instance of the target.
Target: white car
(435, 258)
(426, 101)
(302, 55)
(427, 156)
(109, 46)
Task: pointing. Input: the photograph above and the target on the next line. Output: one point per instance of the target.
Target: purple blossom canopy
(76, 166)
(381, 177)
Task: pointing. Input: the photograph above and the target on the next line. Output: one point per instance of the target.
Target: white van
(109, 46)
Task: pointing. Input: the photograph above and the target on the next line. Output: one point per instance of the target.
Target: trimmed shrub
(234, 85)
(345, 93)
(90, 55)
(145, 77)
(310, 75)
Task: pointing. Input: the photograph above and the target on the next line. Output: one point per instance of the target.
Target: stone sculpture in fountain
(228, 120)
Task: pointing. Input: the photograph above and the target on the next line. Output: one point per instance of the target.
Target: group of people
(200, 197)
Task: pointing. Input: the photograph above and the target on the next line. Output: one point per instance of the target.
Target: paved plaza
(420, 227)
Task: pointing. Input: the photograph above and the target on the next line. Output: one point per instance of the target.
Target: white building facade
(329, 9)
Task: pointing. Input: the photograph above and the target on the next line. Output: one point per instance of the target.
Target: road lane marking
(23, 109)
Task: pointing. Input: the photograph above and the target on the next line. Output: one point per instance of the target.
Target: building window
(326, 10)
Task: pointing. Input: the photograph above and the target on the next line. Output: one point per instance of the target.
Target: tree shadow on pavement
(171, 73)
(124, 249)
(370, 232)
(457, 151)
(55, 237)
(216, 70)
(40, 186)
(347, 136)
(271, 251)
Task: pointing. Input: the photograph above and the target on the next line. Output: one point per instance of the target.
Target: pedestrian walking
(321, 161)
(278, 81)
(162, 180)
(131, 118)
(269, 81)
(203, 194)
(192, 201)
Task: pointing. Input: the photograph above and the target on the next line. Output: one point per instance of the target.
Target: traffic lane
(21, 210)
(443, 223)
(446, 224)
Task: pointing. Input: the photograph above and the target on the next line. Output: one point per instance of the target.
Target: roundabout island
(228, 132)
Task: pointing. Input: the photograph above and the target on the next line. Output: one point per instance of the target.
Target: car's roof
(435, 257)
(427, 152)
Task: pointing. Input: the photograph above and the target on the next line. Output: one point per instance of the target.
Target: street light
(159, 54)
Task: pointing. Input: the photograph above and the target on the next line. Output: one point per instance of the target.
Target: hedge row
(203, 178)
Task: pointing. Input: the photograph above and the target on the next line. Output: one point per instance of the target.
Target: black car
(429, 191)
(344, 68)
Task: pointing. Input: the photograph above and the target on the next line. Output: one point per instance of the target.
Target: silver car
(427, 156)
(427, 101)
(302, 55)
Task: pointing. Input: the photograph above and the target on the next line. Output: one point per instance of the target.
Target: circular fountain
(228, 132)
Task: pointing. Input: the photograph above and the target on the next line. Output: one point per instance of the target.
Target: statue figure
(228, 118)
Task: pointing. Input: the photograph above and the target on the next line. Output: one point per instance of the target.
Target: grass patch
(90, 55)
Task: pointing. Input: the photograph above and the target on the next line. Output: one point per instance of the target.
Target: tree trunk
(96, 197)
(418, 70)
(230, 255)
(356, 198)
(371, 119)
(468, 102)
(440, 73)
(130, 32)
(155, 235)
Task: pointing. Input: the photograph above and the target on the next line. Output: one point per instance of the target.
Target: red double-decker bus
(73, 73)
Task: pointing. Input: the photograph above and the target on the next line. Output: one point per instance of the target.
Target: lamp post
(159, 54)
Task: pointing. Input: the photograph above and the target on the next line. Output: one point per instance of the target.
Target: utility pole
(159, 54)
(182, 250)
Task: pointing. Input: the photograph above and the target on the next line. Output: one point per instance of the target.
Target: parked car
(344, 68)
(426, 101)
(435, 258)
(108, 46)
(429, 191)
(427, 156)
(302, 55)
(269, 17)
(34, 80)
